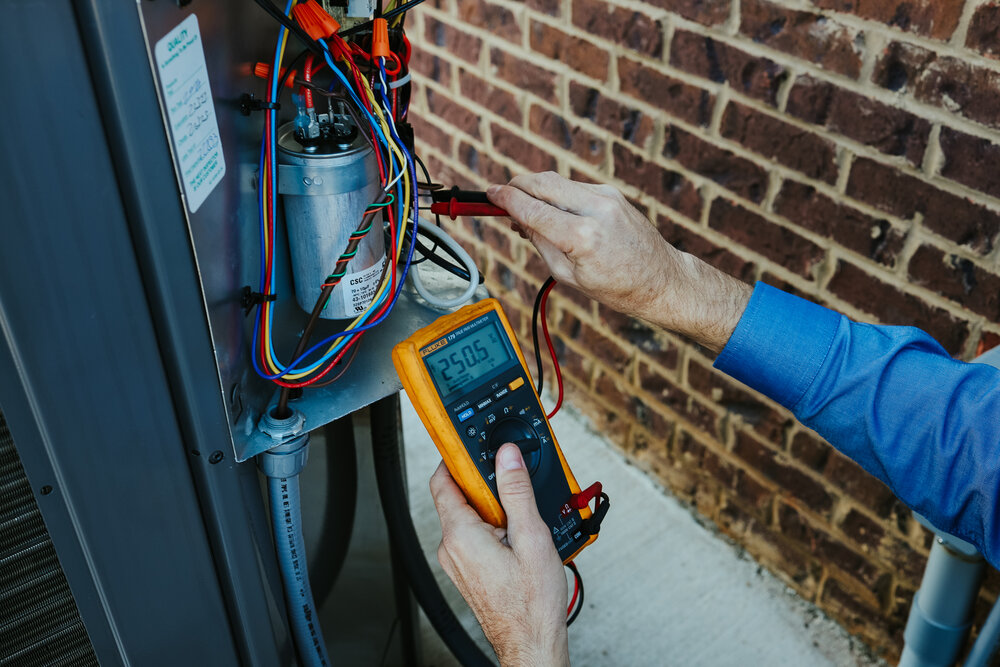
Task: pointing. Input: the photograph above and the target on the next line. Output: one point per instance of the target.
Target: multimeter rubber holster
(467, 379)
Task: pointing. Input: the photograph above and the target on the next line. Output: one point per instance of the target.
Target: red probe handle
(455, 208)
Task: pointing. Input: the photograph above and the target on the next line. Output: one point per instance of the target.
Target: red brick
(957, 279)
(848, 607)
(779, 244)
(430, 66)
(498, 20)
(952, 217)
(712, 384)
(706, 12)
(720, 257)
(501, 102)
(482, 164)
(984, 30)
(806, 35)
(458, 42)
(631, 29)
(933, 18)
(461, 118)
(668, 187)
(773, 138)
(810, 450)
(873, 238)
(522, 151)
(523, 74)
(971, 160)
(676, 98)
(899, 66)
(862, 530)
(819, 542)
(718, 164)
(790, 479)
(628, 124)
(610, 352)
(861, 118)
(575, 139)
(653, 343)
(865, 488)
(987, 341)
(583, 56)
(891, 306)
(444, 173)
(672, 396)
(430, 134)
(550, 7)
(717, 61)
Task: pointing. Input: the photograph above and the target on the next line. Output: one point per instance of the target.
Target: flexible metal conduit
(392, 493)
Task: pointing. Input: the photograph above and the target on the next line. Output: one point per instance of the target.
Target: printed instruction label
(360, 288)
(180, 63)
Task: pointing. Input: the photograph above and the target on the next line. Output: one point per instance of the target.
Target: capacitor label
(360, 288)
(187, 97)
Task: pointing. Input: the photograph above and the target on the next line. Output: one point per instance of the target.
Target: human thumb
(516, 494)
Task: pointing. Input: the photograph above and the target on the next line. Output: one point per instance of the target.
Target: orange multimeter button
(516, 384)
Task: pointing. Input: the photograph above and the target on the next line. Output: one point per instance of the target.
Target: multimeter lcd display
(461, 363)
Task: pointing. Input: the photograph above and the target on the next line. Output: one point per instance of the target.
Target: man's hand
(594, 240)
(512, 579)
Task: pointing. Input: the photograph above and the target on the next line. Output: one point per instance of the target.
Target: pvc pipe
(987, 645)
(941, 614)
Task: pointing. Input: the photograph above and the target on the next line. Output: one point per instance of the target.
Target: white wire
(438, 302)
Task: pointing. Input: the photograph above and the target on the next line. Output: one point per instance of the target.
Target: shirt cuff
(779, 344)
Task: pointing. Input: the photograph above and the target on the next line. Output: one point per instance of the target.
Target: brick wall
(845, 150)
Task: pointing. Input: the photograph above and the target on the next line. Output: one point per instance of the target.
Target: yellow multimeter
(466, 377)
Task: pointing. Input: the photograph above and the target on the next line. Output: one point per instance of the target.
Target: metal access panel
(216, 149)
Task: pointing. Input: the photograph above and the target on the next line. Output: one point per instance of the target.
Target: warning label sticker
(360, 288)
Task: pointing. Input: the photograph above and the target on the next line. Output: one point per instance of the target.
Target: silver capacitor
(325, 196)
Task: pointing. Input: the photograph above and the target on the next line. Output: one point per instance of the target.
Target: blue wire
(411, 168)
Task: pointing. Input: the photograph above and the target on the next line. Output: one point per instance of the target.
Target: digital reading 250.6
(467, 359)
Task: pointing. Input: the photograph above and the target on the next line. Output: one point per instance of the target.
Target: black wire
(579, 603)
(534, 332)
(281, 18)
(388, 16)
(437, 217)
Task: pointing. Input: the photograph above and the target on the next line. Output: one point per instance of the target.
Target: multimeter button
(483, 403)
(471, 431)
(516, 384)
(490, 418)
(466, 415)
(500, 394)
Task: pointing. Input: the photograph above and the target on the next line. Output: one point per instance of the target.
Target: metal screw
(46, 490)
(216, 456)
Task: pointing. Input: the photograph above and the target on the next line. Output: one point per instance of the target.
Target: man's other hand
(512, 578)
(594, 240)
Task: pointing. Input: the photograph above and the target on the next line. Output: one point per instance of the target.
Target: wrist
(699, 302)
(554, 653)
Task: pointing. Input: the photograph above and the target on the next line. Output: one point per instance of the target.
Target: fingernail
(492, 190)
(510, 458)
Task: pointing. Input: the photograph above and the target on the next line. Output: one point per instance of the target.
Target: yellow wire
(407, 211)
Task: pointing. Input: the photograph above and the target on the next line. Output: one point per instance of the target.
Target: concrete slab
(661, 589)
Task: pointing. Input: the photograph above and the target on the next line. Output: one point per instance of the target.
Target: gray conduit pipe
(282, 465)
(941, 614)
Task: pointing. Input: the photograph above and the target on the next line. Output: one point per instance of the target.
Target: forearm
(698, 301)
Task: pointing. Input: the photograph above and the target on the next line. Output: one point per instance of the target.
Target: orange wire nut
(380, 39)
(314, 20)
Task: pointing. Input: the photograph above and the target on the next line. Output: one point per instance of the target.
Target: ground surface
(661, 589)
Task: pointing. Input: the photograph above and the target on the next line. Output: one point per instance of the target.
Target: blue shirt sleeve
(888, 397)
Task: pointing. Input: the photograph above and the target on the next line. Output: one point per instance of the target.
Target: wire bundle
(377, 113)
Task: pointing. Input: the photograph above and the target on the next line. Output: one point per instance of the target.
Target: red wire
(576, 592)
(552, 349)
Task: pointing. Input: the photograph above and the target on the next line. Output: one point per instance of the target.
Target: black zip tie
(249, 104)
(249, 299)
